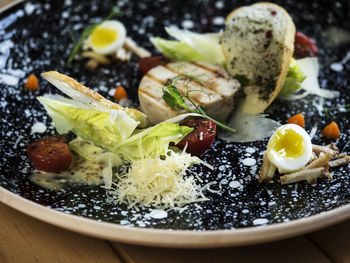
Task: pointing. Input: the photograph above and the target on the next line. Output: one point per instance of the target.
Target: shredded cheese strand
(159, 182)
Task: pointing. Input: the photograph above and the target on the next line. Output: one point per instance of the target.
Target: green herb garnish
(87, 31)
(345, 106)
(173, 97)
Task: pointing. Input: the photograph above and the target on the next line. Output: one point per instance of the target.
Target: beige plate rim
(172, 238)
(175, 238)
(9, 5)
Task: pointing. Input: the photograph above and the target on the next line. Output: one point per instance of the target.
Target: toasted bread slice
(85, 95)
(217, 97)
(258, 43)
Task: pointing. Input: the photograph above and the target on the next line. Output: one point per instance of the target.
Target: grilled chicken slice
(217, 97)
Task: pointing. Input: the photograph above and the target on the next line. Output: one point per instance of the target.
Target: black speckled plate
(34, 38)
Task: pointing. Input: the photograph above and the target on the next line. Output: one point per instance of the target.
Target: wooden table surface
(25, 239)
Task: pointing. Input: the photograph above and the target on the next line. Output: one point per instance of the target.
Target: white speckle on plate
(3, 104)
(124, 222)
(158, 214)
(250, 150)
(222, 168)
(6, 45)
(9, 80)
(219, 4)
(65, 14)
(224, 181)
(337, 67)
(38, 127)
(77, 27)
(124, 213)
(234, 184)
(17, 141)
(249, 161)
(219, 20)
(187, 24)
(20, 13)
(141, 224)
(260, 221)
(254, 168)
(29, 8)
(318, 103)
(111, 92)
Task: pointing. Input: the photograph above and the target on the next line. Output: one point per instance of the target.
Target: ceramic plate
(34, 38)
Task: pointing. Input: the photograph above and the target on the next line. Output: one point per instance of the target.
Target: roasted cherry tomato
(304, 46)
(50, 155)
(201, 138)
(146, 64)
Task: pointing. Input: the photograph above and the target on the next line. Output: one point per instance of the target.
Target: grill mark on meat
(200, 65)
(220, 87)
(154, 78)
(211, 76)
(196, 99)
(217, 72)
(182, 74)
(182, 89)
(151, 95)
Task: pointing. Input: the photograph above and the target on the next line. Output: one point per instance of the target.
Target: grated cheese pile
(159, 182)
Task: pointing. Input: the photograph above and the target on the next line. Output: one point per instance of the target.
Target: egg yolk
(102, 37)
(288, 143)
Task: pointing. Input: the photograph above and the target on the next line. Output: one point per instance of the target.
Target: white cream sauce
(81, 172)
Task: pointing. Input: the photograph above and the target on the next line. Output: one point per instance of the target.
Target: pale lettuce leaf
(207, 44)
(191, 46)
(115, 131)
(151, 142)
(176, 50)
(104, 129)
(294, 79)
